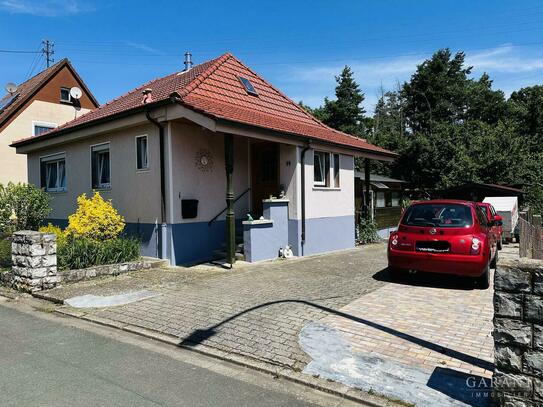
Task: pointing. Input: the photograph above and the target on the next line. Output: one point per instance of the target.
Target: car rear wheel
(483, 281)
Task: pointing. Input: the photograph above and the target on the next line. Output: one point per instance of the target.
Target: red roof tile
(213, 88)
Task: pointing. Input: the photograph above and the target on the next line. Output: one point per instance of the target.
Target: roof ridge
(46, 71)
(198, 79)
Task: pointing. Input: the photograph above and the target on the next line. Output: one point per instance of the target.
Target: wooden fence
(530, 235)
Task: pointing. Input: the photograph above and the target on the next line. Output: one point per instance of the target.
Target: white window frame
(377, 199)
(69, 100)
(329, 181)
(100, 147)
(40, 123)
(146, 168)
(321, 184)
(56, 158)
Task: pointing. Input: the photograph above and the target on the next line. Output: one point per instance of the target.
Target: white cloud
(46, 8)
(144, 47)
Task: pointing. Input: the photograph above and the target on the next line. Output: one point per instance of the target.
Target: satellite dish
(11, 88)
(76, 93)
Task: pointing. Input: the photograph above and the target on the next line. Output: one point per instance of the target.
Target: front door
(264, 174)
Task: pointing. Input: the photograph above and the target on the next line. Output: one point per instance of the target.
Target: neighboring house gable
(35, 108)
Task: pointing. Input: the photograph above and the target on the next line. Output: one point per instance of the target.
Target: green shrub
(22, 207)
(367, 231)
(5, 253)
(80, 252)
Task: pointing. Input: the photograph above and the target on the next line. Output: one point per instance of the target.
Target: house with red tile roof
(39, 104)
(206, 162)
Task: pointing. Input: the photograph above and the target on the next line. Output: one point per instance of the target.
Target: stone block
(508, 305)
(538, 282)
(538, 337)
(508, 358)
(538, 389)
(533, 363)
(511, 332)
(90, 273)
(123, 267)
(510, 401)
(512, 383)
(512, 279)
(49, 260)
(49, 237)
(533, 308)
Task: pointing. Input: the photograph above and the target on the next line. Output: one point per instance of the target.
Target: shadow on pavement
(200, 335)
(433, 280)
(470, 389)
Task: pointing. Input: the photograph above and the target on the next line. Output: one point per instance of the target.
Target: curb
(316, 383)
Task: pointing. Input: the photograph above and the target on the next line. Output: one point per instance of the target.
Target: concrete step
(221, 255)
(156, 263)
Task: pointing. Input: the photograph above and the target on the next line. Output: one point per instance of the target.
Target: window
(336, 170)
(41, 127)
(321, 169)
(380, 201)
(65, 95)
(53, 173)
(142, 160)
(101, 173)
(395, 198)
(438, 215)
(248, 86)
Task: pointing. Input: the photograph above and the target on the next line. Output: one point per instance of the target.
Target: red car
(444, 236)
(496, 220)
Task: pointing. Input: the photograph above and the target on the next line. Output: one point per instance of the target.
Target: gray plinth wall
(518, 333)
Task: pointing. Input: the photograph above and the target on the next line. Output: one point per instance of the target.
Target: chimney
(188, 61)
(147, 95)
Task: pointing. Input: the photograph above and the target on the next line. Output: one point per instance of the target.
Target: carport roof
(215, 88)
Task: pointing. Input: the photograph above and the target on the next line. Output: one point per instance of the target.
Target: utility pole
(48, 51)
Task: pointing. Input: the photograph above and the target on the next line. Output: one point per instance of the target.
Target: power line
(16, 51)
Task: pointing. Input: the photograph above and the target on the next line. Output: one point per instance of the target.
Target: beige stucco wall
(136, 194)
(13, 166)
(208, 186)
(328, 202)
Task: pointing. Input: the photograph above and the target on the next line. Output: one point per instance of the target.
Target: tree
(345, 113)
(525, 107)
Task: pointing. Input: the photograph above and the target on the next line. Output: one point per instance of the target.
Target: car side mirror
(498, 220)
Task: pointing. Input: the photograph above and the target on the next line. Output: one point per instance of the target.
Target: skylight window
(248, 86)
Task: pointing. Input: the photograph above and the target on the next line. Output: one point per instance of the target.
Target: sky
(299, 46)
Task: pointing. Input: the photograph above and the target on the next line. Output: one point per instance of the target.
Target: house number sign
(204, 160)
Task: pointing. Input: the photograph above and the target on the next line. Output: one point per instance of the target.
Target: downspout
(302, 159)
(163, 226)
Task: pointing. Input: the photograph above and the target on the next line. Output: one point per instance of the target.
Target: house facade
(38, 105)
(192, 158)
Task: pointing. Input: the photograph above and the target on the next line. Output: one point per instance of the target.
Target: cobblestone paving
(426, 321)
(256, 311)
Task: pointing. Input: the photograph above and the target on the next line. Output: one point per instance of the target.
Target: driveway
(338, 316)
(256, 311)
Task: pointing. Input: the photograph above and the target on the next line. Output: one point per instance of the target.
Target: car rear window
(443, 215)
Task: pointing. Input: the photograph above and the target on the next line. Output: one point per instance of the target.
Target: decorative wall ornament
(204, 160)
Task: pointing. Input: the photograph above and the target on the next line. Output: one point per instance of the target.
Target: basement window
(248, 86)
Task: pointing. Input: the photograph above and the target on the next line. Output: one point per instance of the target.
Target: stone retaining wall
(34, 258)
(518, 333)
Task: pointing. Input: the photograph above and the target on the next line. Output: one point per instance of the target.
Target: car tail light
(476, 246)
(394, 240)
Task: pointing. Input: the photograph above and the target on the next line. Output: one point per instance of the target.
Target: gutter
(302, 159)
(163, 225)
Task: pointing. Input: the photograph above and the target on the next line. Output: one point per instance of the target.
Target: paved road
(47, 361)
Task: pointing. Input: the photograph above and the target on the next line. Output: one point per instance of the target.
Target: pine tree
(345, 113)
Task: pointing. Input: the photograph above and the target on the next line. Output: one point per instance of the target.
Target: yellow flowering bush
(55, 230)
(95, 218)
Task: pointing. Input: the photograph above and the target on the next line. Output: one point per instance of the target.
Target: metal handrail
(221, 212)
